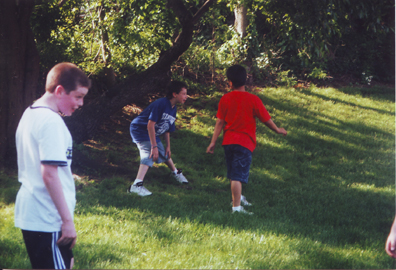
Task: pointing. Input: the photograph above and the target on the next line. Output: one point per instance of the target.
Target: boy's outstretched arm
(218, 128)
(273, 127)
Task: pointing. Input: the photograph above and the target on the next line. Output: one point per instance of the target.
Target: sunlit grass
(323, 196)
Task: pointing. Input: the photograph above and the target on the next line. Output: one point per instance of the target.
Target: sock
(137, 181)
(175, 171)
(236, 208)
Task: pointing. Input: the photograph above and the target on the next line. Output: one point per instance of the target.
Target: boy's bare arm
(217, 130)
(153, 140)
(274, 128)
(54, 187)
(390, 246)
(167, 141)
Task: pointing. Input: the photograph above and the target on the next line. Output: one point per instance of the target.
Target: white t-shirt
(42, 138)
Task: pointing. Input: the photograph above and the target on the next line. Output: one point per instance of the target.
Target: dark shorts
(238, 159)
(43, 251)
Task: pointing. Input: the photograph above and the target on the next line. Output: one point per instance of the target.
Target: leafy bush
(286, 78)
(317, 73)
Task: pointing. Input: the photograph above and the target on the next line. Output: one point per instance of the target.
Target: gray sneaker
(180, 177)
(139, 189)
(244, 201)
(243, 211)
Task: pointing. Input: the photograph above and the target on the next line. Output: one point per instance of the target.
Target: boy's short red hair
(68, 75)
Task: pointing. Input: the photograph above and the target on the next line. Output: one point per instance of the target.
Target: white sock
(236, 208)
(137, 181)
(175, 171)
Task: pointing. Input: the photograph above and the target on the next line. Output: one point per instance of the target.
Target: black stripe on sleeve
(54, 162)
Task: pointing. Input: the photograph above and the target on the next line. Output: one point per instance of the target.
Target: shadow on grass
(293, 192)
(336, 188)
(376, 92)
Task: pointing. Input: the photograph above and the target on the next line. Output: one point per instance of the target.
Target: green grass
(324, 195)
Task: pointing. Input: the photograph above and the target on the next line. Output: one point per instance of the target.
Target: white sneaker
(180, 177)
(244, 201)
(139, 189)
(242, 210)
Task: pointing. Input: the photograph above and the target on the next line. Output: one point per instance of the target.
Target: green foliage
(195, 87)
(339, 36)
(333, 36)
(317, 74)
(56, 32)
(79, 28)
(9, 185)
(286, 78)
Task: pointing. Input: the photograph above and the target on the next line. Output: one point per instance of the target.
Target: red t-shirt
(239, 110)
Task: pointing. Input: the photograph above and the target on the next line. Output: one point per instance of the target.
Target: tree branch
(202, 10)
(182, 13)
(62, 2)
(82, 123)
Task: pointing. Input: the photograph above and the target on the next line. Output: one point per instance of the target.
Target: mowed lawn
(323, 196)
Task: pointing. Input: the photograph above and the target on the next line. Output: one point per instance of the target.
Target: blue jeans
(238, 159)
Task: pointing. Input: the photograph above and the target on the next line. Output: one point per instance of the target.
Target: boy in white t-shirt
(45, 202)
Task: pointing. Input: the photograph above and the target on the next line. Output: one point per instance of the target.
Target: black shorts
(43, 251)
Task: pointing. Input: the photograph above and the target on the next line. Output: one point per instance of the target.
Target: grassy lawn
(323, 196)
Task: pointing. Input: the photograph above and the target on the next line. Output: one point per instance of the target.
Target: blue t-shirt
(162, 113)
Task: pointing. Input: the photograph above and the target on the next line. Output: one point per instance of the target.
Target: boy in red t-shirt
(237, 114)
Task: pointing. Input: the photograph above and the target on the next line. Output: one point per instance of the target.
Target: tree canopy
(333, 36)
(132, 48)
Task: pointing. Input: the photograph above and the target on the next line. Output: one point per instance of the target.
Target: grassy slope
(323, 196)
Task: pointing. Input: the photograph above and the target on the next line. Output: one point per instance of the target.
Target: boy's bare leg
(137, 185)
(170, 164)
(142, 171)
(236, 191)
(177, 174)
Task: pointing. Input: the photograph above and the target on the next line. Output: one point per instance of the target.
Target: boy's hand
(210, 148)
(168, 152)
(274, 128)
(154, 154)
(69, 235)
(390, 246)
(282, 131)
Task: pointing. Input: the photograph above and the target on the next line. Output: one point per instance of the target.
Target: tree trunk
(19, 70)
(84, 122)
(108, 71)
(241, 21)
(19, 67)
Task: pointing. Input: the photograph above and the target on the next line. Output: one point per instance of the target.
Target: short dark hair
(174, 87)
(68, 75)
(237, 75)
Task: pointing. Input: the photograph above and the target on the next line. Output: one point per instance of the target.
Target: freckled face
(69, 103)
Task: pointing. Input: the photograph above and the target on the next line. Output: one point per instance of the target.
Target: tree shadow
(316, 188)
(386, 95)
(298, 197)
